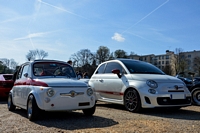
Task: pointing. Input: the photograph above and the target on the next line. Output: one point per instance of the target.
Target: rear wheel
(32, 108)
(90, 111)
(11, 106)
(132, 101)
(196, 96)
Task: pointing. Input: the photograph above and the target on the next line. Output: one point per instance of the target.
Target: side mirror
(117, 71)
(26, 75)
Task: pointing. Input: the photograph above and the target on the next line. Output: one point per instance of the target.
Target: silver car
(137, 84)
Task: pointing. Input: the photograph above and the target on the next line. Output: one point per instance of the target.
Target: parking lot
(107, 118)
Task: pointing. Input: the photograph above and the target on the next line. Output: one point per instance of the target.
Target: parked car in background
(196, 80)
(137, 84)
(188, 82)
(49, 85)
(194, 87)
(6, 84)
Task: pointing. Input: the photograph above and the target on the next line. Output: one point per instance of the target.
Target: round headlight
(89, 91)
(152, 84)
(50, 92)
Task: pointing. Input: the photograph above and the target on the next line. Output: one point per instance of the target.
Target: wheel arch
(37, 99)
(129, 89)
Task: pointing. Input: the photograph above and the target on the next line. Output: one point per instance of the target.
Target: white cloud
(33, 35)
(118, 37)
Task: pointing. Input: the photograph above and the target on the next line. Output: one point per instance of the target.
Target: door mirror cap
(117, 71)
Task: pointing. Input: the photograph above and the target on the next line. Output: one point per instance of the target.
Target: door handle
(101, 80)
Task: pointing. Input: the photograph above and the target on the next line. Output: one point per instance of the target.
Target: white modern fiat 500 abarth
(137, 84)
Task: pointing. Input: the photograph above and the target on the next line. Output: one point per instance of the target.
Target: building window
(163, 62)
(167, 56)
(189, 56)
(159, 62)
(163, 57)
(167, 62)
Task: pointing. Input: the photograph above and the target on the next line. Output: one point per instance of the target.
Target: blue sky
(64, 27)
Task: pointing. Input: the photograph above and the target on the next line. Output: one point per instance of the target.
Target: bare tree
(178, 61)
(33, 54)
(13, 64)
(82, 57)
(41, 54)
(102, 54)
(196, 65)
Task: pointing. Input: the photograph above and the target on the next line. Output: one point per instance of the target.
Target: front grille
(84, 104)
(169, 101)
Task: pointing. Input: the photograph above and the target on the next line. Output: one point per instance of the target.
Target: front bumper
(165, 100)
(67, 103)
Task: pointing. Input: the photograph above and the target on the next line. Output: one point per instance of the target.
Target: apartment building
(168, 61)
(164, 62)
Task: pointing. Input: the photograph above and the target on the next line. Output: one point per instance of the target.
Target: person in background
(69, 62)
(79, 74)
(85, 75)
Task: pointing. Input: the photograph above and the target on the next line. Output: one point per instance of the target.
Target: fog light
(152, 91)
(164, 100)
(47, 100)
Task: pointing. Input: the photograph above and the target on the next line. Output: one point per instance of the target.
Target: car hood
(63, 82)
(155, 77)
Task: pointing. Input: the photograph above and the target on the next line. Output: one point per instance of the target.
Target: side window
(111, 66)
(18, 75)
(101, 69)
(22, 71)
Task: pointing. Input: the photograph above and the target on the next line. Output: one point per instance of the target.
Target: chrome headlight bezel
(151, 83)
(50, 92)
(89, 91)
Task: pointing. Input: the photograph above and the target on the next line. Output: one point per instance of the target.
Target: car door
(110, 85)
(95, 79)
(20, 88)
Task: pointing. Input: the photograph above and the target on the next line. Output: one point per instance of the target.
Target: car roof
(45, 60)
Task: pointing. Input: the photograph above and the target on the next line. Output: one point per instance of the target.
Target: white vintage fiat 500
(137, 84)
(49, 85)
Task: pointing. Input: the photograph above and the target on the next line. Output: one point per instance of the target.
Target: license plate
(178, 96)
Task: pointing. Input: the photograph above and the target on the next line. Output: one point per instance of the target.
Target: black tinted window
(111, 66)
(100, 69)
(141, 67)
(7, 77)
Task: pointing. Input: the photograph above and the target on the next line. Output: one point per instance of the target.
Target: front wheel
(90, 111)
(32, 108)
(11, 106)
(132, 101)
(196, 96)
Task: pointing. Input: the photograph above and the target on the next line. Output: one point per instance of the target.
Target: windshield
(140, 67)
(53, 69)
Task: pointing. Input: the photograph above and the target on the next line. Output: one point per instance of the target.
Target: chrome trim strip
(72, 93)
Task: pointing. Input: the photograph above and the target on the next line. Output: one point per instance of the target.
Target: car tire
(90, 111)
(32, 108)
(132, 101)
(11, 106)
(196, 96)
